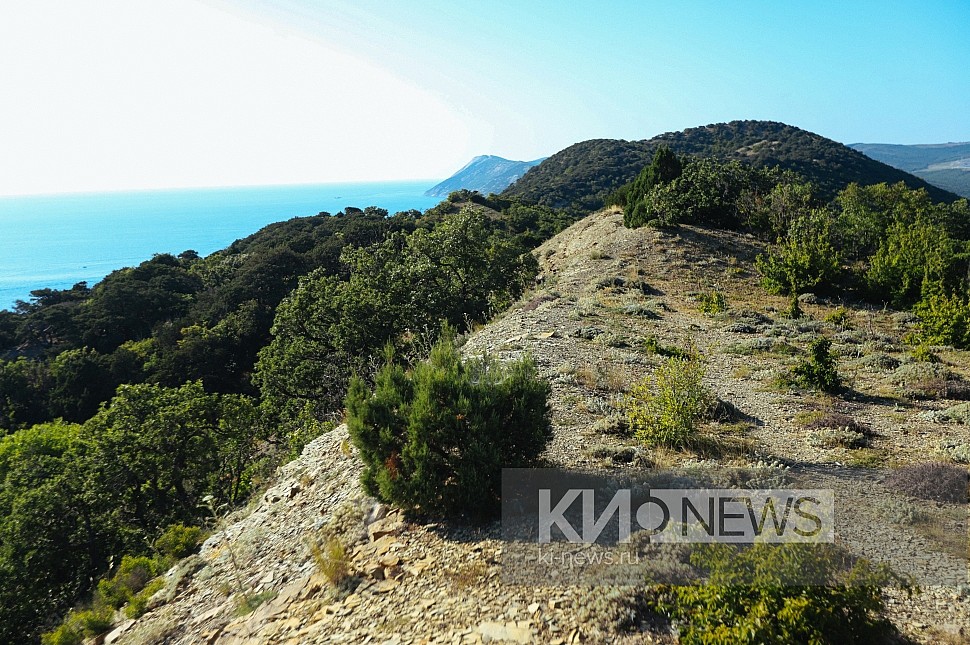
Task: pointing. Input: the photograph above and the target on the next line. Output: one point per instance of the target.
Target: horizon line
(159, 189)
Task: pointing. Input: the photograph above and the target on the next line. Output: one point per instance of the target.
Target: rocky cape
(485, 174)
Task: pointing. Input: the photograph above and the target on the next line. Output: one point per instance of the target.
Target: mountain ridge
(945, 165)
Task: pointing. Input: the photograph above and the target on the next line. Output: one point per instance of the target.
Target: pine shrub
(819, 370)
(712, 303)
(435, 438)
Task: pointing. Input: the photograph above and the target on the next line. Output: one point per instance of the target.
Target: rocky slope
(604, 289)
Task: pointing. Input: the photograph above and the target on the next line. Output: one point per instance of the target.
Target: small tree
(915, 260)
(436, 438)
(944, 320)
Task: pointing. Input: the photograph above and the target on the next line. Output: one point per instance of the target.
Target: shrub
(652, 345)
(787, 593)
(80, 624)
(818, 370)
(712, 303)
(936, 481)
(179, 541)
(437, 437)
(804, 259)
(840, 318)
(943, 320)
(132, 576)
(665, 408)
(139, 602)
(835, 429)
(65, 634)
(915, 260)
(921, 353)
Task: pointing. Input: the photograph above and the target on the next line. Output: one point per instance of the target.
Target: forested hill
(582, 175)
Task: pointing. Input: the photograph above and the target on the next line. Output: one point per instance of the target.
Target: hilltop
(945, 165)
(603, 291)
(582, 175)
(485, 174)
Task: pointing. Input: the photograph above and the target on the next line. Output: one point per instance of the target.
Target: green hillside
(582, 175)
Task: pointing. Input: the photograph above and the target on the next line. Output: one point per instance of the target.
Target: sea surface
(56, 241)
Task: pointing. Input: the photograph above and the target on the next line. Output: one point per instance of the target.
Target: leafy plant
(132, 576)
(652, 345)
(840, 318)
(944, 320)
(139, 602)
(804, 259)
(663, 409)
(915, 260)
(436, 438)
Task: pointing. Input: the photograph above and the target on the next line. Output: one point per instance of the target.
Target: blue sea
(57, 240)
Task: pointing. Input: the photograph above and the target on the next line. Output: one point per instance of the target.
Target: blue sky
(119, 94)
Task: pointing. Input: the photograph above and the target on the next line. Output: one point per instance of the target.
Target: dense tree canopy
(398, 291)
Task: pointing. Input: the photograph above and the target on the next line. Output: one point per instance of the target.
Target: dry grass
(468, 574)
(332, 560)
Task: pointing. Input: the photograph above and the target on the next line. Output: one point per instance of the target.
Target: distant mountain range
(946, 165)
(486, 174)
(582, 175)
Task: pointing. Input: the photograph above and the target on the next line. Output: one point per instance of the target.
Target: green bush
(64, 634)
(818, 370)
(787, 593)
(652, 345)
(80, 624)
(139, 602)
(436, 438)
(132, 576)
(914, 261)
(712, 303)
(804, 259)
(664, 409)
(179, 541)
(840, 318)
(944, 320)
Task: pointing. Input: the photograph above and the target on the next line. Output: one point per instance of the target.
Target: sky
(99, 95)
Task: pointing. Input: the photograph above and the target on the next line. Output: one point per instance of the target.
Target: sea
(55, 241)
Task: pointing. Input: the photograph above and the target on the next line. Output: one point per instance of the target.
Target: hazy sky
(119, 94)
